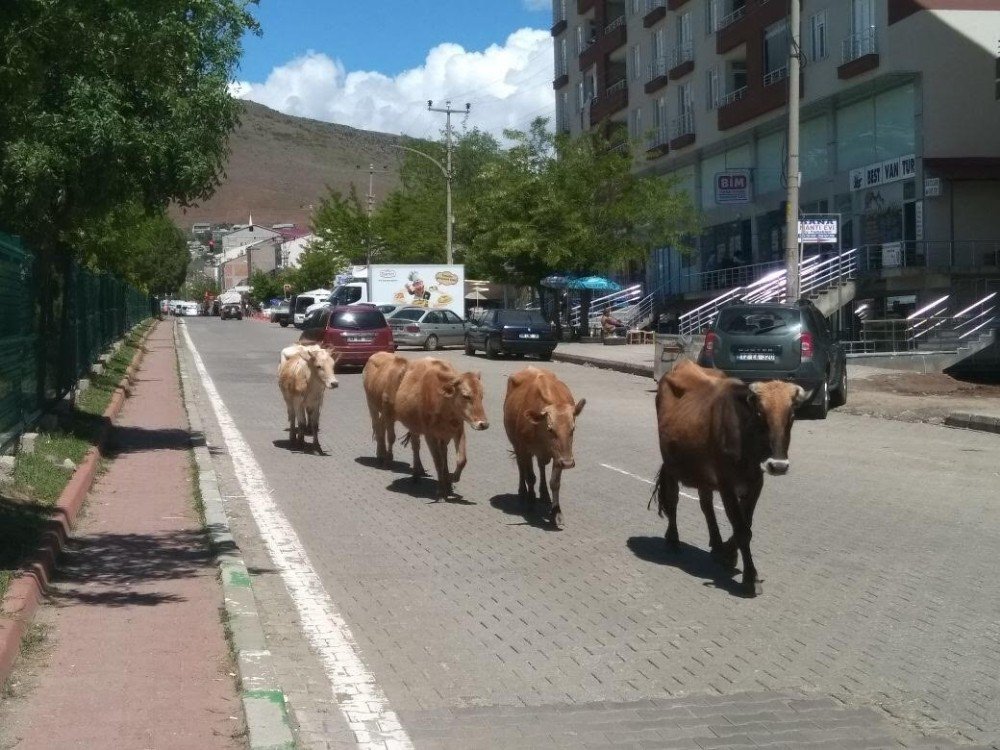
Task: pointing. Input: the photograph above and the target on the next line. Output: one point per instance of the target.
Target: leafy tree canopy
(108, 102)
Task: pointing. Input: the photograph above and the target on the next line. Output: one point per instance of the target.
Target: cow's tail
(406, 440)
(657, 494)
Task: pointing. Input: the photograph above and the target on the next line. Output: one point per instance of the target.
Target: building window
(776, 52)
(660, 115)
(817, 36)
(711, 16)
(581, 96)
(658, 47)
(559, 10)
(712, 88)
(636, 62)
(633, 8)
(579, 40)
(635, 123)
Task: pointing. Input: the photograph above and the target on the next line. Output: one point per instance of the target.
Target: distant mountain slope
(280, 165)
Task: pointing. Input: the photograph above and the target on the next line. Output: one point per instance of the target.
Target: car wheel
(839, 395)
(492, 348)
(283, 324)
(821, 406)
(431, 343)
(469, 348)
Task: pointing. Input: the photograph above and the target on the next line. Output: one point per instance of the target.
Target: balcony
(658, 143)
(562, 75)
(681, 60)
(656, 75)
(559, 27)
(859, 54)
(682, 131)
(675, 4)
(656, 10)
(615, 99)
(732, 97)
(775, 76)
(613, 38)
(744, 22)
(745, 104)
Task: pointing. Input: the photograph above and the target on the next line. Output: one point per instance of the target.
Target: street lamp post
(446, 171)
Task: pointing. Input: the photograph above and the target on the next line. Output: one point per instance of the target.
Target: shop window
(894, 123)
(813, 153)
(771, 155)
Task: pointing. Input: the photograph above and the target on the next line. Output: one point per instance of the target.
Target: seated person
(611, 326)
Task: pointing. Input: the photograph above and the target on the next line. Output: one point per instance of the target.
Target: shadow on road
(286, 444)
(423, 488)
(692, 560)
(533, 515)
(397, 467)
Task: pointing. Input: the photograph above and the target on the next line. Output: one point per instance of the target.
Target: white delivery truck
(441, 287)
(304, 303)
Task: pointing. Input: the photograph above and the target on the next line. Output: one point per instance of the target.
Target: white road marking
(650, 481)
(361, 700)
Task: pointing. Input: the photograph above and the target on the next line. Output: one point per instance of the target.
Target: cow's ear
(449, 389)
(306, 354)
(579, 407)
(535, 416)
(753, 394)
(800, 396)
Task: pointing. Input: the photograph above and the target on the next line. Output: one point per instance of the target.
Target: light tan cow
(304, 375)
(381, 377)
(435, 401)
(539, 414)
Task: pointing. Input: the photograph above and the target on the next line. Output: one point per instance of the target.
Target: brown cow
(539, 415)
(715, 434)
(304, 375)
(382, 375)
(434, 401)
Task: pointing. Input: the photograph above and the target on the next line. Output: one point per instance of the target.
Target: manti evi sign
(880, 173)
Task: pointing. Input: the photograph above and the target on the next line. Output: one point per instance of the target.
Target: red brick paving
(135, 655)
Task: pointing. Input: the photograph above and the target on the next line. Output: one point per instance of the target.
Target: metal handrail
(617, 23)
(682, 125)
(859, 44)
(776, 75)
(682, 53)
(615, 87)
(614, 300)
(657, 68)
(730, 18)
(733, 96)
(658, 137)
(652, 5)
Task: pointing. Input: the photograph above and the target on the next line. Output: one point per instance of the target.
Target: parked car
(282, 314)
(352, 333)
(519, 332)
(431, 329)
(187, 308)
(780, 342)
(389, 310)
(231, 310)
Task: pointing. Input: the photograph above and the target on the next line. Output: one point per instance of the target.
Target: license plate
(358, 340)
(756, 356)
(528, 335)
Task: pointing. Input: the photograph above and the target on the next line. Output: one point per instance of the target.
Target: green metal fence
(58, 317)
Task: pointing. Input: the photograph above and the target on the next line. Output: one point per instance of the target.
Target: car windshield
(345, 295)
(521, 318)
(362, 317)
(408, 314)
(759, 321)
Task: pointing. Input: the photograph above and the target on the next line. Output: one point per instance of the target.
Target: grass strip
(40, 477)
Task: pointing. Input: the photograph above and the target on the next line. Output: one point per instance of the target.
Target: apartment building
(900, 125)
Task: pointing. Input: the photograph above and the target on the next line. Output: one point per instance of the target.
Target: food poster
(439, 287)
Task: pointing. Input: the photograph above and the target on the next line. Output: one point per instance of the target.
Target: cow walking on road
(434, 401)
(539, 414)
(715, 434)
(381, 377)
(304, 375)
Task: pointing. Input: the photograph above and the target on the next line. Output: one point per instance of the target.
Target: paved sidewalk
(134, 655)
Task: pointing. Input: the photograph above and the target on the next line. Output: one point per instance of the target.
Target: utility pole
(448, 111)
(792, 199)
(368, 230)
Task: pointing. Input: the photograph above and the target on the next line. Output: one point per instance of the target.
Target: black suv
(780, 342)
(511, 332)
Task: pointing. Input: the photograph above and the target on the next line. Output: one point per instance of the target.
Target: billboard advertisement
(436, 286)
(819, 230)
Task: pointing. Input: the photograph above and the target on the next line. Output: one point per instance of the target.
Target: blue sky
(371, 64)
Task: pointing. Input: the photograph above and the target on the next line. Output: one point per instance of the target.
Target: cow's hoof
(751, 587)
(556, 518)
(673, 542)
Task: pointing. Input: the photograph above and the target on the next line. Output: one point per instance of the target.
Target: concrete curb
(980, 422)
(628, 368)
(264, 702)
(27, 589)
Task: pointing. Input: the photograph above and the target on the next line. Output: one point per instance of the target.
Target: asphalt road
(881, 599)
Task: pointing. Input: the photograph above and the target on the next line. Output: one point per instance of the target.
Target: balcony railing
(657, 69)
(730, 18)
(616, 24)
(616, 87)
(683, 125)
(733, 96)
(657, 139)
(681, 54)
(776, 75)
(652, 5)
(561, 67)
(858, 45)
(558, 11)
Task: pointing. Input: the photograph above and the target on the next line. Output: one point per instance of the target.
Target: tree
(143, 247)
(318, 267)
(107, 102)
(266, 286)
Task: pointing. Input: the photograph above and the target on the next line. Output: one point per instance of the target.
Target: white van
(301, 303)
(188, 308)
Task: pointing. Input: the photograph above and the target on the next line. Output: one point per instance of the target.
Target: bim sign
(732, 187)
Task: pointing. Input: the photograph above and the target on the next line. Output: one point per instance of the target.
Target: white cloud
(506, 85)
(537, 4)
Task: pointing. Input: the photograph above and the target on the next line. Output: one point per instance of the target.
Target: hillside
(280, 165)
